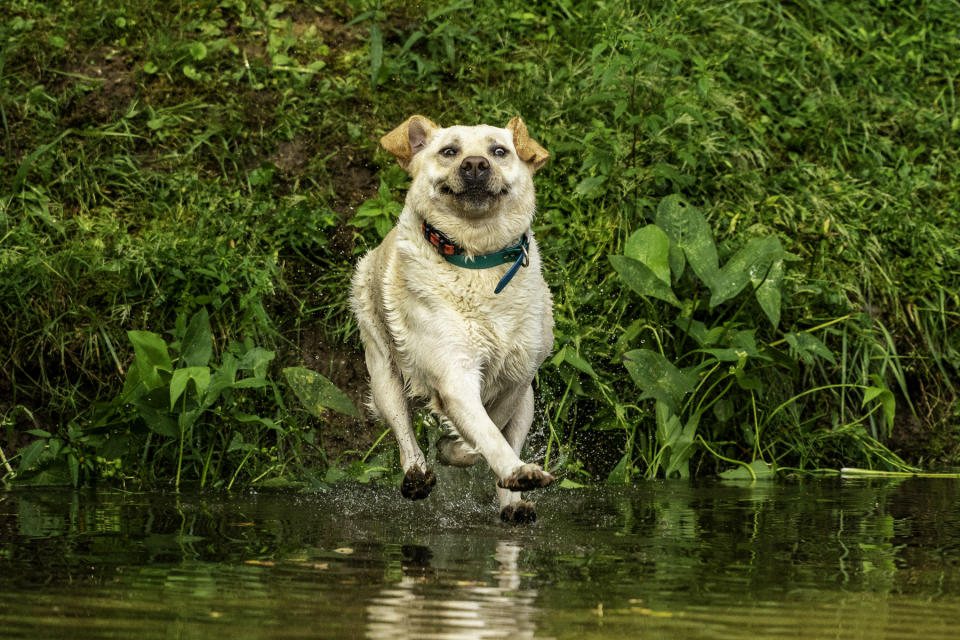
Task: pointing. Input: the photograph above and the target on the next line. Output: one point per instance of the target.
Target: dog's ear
(527, 147)
(409, 138)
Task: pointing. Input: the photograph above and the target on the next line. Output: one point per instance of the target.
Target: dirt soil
(344, 366)
(111, 86)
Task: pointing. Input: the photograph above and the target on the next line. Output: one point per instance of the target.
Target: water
(819, 559)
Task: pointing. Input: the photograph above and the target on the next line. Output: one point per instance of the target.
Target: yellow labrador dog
(452, 307)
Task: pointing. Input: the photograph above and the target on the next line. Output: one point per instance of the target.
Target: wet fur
(435, 332)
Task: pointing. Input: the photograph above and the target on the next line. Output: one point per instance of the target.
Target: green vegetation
(185, 187)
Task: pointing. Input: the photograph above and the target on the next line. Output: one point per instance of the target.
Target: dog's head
(468, 171)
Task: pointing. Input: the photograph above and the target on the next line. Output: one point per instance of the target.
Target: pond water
(816, 559)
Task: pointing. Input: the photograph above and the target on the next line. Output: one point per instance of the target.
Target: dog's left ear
(409, 138)
(527, 147)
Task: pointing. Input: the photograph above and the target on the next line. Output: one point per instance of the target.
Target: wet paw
(522, 512)
(417, 484)
(529, 476)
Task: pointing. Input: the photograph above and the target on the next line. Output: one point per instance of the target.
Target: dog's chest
(459, 317)
(501, 327)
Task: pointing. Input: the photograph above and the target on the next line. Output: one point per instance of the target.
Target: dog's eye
(448, 152)
(500, 152)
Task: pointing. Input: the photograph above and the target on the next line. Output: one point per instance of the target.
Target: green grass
(159, 158)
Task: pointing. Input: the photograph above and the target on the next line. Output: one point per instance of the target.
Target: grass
(160, 159)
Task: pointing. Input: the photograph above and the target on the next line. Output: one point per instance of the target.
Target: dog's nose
(474, 168)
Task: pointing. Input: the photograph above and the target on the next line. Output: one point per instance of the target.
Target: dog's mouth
(472, 193)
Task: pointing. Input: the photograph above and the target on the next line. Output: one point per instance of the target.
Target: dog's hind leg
(389, 398)
(513, 508)
(454, 451)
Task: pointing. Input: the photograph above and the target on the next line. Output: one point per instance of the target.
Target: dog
(452, 307)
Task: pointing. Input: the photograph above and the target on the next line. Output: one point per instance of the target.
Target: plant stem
(870, 473)
(6, 464)
(816, 328)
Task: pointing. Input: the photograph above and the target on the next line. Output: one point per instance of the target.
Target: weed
(159, 158)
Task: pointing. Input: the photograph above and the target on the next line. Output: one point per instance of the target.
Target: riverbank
(222, 156)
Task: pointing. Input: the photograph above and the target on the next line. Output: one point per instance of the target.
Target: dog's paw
(522, 512)
(453, 451)
(417, 484)
(524, 478)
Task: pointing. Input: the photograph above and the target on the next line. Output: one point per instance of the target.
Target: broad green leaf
(114, 447)
(746, 339)
(256, 359)
(151, 357)
(54, 474)
(132, 386)
(756, 470)
(698, 331)
(240, 416)
(807, 346)
(651, 246)
(688, 229)
(250, 383)
(178, 383)
(186, 419)
(682, 448)
(589, 184)
(619, 474)
(569, 355)
(657, 377)
(317, 393)
(30, 454)
(371, 208)
(567, 483)
(158, 421)
(157, 399)
(674, 440)
(641, 279)
(751, 262)
(747, 382)
(629, 335)
(237, 443)
(196, 349)
(668, 428)
(870, 393)
(768, 290)
(222, 378)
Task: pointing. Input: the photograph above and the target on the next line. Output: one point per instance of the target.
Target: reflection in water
(416, 609)
(827, 559)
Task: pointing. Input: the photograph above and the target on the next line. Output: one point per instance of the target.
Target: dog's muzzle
(473, 183)
(474, 171)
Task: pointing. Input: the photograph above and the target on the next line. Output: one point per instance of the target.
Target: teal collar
(518, 254)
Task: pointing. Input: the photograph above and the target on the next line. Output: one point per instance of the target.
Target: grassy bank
(163, 163)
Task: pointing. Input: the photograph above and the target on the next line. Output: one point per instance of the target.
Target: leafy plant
(197, 412)
(709, 358)
(381, 212)
(158, 158)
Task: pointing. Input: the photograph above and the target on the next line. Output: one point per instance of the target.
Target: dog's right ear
(409, 138)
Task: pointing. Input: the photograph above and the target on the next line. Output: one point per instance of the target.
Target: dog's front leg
(458, 397)
(386, 387)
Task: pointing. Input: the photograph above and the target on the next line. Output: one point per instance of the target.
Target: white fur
(435, 331)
